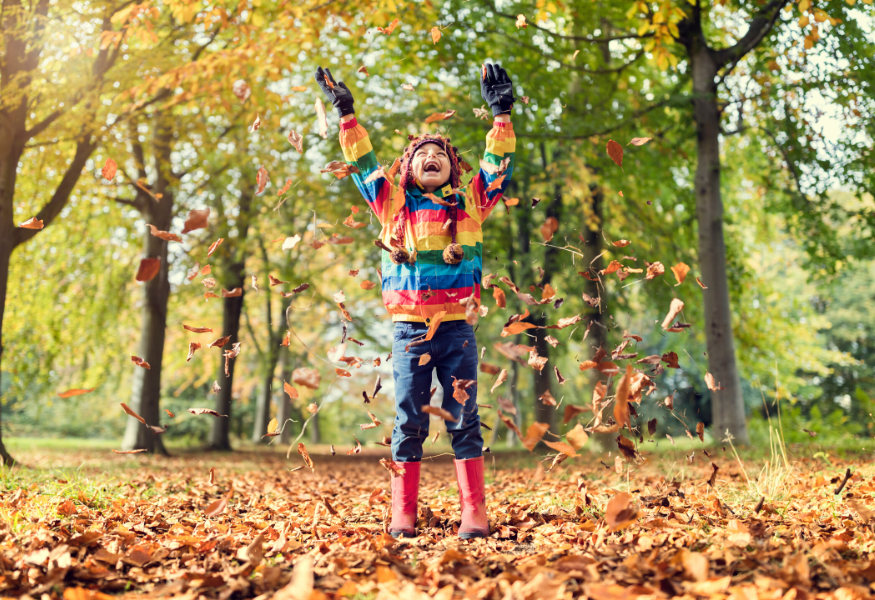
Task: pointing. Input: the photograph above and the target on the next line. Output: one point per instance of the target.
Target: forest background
(196, 103)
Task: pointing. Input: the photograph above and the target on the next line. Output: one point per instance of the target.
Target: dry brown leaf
(615, 151)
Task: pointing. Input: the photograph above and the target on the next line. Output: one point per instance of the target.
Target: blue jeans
(413, 387)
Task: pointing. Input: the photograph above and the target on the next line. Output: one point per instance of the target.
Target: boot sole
(472, 535)
(402, 534)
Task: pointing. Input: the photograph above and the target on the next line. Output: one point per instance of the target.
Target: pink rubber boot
(405, 494)
(469, 473)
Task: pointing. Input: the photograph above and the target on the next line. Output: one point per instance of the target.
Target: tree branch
(761, 25)
(84, 147)
(576, 38)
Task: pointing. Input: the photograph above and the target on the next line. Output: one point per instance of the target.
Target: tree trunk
(544, 413)
(262, 409)
(598, 332)
(727, 404)
(5, 257)
(146, 388)
(284, 408)
(220, 438)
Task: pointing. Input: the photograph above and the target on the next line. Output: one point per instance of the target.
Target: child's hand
(496, 89)
(338, 94)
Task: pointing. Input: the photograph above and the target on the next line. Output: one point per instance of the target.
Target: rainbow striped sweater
(420, 291)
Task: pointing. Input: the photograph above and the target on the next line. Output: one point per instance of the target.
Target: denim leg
(412, 392)
(461, 363)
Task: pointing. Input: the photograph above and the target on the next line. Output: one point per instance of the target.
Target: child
(430, 275)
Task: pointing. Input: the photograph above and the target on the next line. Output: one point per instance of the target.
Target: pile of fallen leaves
(179, 528)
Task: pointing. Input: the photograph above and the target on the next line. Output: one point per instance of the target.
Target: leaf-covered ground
(81, 524)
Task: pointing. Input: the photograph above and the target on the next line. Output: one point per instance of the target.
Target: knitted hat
(453, 253)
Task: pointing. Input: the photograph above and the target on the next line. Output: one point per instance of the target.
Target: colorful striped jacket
(419, 291)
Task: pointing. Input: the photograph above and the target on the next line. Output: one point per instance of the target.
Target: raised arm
(497, 90)
(356, 144)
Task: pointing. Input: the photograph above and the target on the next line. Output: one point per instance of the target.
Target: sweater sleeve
(358, 152)
(500, 145)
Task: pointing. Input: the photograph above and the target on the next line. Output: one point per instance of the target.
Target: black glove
(496, 89)
(339, 95)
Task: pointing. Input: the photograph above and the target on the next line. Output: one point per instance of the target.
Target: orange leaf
(164, 235)
(674, 309)
(439, 116)
(296, 140)
(197, 219)
(149, 267)
(75, 392)
(261, 179)
(615, 151)
(435, 34)
(534, 434)
(109, 169)
(620, 512)
(292, 392)
(680, 271)
(213, 246)
(621, 406)
(621, 243)
(388, 30)
(639, 141)
(32, 223)
(140, 362)
(435, 322)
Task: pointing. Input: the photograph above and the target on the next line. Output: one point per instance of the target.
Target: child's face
(431, 166)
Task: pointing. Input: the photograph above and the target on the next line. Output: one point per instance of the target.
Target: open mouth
(431, 167)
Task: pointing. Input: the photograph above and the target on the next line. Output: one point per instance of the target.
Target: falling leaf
(407, 87)
(680, 271)
(639, 141)
(255, 125)
(712, 385)
(482, 113)
(654, 269)
(302, 450)
(435, 322)
(615, 151)
(620, 512)
(299, 88)
(109, 169)
(496, 183)
(521, 22)
(550, 226)
(288, 389)
(149, 268)
(439, 412)
(216, 508)
(192, 348)
(140, 362)
(363, 69)
(296, 140)
(220, 342)
(367, 285)
(577, 437)
(674, 310)
(198, 329)
(241, 90)
(75, 392)
(621, 243)
(321, 119)
(388, 30)
(621, 401)
(235, 293)
(700, 431)
(306, 377)
(339, 169)
(509, 423)
(164, 235)
(701, 285)
(576, 52)
(213, 246)
(435, 34)
(534, 434)
(197, 219)
(502, 377)
(261, 179)
(32, 223)
(424, 359)
(439, 116)
(291, 242)
(131, 412)
(712, 481)
(205, 411)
